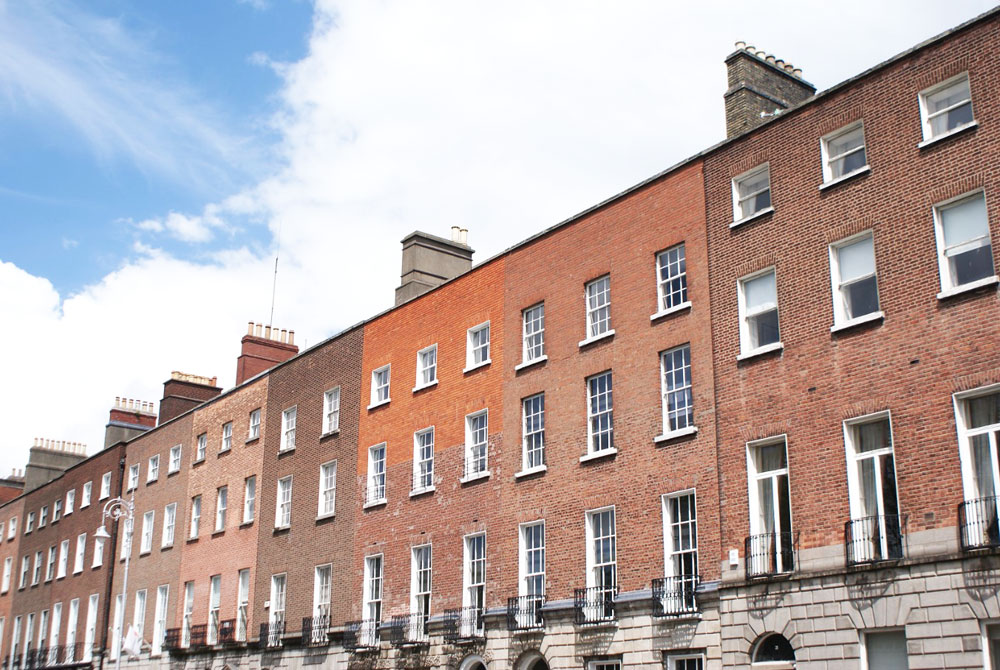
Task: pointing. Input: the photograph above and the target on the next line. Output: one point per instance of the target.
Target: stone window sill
(672, 310)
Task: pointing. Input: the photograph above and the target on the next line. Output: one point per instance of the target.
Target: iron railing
(172, 639)
(272, 634)
(375, 493)
(873, 539)
(676, 596)
(408, 629)
(227, 631)
(361, 635)
(475, 463)
(595, 604)
(465, 623)
(769, 554)
(315, 629)
(213, 627)
(525, 612)
(978, 524)
(199, 635)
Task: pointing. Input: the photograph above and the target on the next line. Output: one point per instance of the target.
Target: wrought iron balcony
(408, 629)
(525, 613)
(199, 636)
(227, 631)
(769, 554)
(464, 624)
(978, 524)
(594, 605)
(375, 493)
(676, 596)
(172, 639)
(361, 635)
(873, 539)
(272, 634)
(315, 630)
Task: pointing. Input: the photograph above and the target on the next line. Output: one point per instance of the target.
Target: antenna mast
(274, 284)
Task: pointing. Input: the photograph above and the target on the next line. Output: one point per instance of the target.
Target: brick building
(745, 414)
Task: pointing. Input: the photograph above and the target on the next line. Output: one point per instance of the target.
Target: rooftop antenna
(274, 285)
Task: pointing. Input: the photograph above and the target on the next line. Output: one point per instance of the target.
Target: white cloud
(501, 118)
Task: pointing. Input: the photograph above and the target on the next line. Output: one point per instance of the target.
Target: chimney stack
(48, 459)
(128, 418)
(430, 261)
(760, 86)
(263, 347)
(183, 391)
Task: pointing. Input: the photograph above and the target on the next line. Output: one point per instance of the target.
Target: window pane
(984, 410)
(764, 329)
(886, 651)
(856, 259)
(861, 297)
(760, 291)
(964, 221)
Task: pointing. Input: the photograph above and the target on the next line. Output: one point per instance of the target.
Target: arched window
(773, 648)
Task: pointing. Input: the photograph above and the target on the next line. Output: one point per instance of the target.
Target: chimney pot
(257, 328)
(456, 235)
(741, 45)
(780, 63)
(291, 337)
(284, 336)
(250, 328)
(465, 235)
(267, 332)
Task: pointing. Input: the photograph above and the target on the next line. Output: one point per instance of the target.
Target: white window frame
(85, 494)
(25, 570)
(423, 468)
(169, 525)
(327, 504)
(738, 216)
(43, 516)
(864, 546)
(479, 472)
(195, 525)
(70, 505)
(188, 614)
(533, 426)
(201, 448)
(597, 306)
(331, 411)
(105, 486)
(472, 347)
(596, 418)
(473, 591)
(840, 316)
(175, 459)
(227, 437)
(376, 479)
(8, 569)
(594, 568)
(421, 589)
(532, 337)
(153, 468)
(684, 582)
(981, 518)
(279, 600)
(57, 509)
(63, 568)
(427, 364)
(249, 498)
(372, 591)
(668, 389)
(133, 477)
(674, 261)
(221, 506)
(673, 659)
(925, 118)
(322, 590)
(828, 160)
(528, 578)
(214, 604)
(81, 552)
(98, 552)
(242, 604)
(746, 351)
(754, 502)
(283, 503)
(288, 418)
(148, 522)
(12, 528)
(160, 619)
(50, 564)
(378, 386)
(948, 285)
(139, 611)
(254, 430)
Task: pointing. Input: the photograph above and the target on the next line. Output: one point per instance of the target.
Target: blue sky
(66, 200)
(156, 155)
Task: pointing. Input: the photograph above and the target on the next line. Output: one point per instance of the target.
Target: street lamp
(115, 509)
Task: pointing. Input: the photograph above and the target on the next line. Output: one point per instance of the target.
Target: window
(54, 631)
(98, 552)
(598, 308)
(175, 459)
(133, 476)
(139, 613)
(242, 604)
(195, 517)
(227, 436)
(327, 489)
(965, 254)
(600, 427)
(751, 193)
(43, 516)
(770, 543)
(533, 432)
(199, 453)
(671, 279)
(221, 502)
(276, 616)
(81, 550)
(604, 664)
(380, 385)
(675, 374)
(50, 564)
(885, 650)
(602, 559)
(376, 474)
(254, 425)
(71, 621)
(874, 531)
(36, 573)
(288, 429)
(169, 524)
(70, 504)
(426, 367)
(680, 544)
(946, 107)
(852, 270)
(283, 508)
(371, 605)
(844, 152)
(85, 497)
(423, 459)
(8, 566)
(160, 620)
(531, 566)
(477, 346)
(146, 543)
(685, 662)
(321, 592)
(978, 417)
(188, 614)
(420, 588)
(476, 444)
(12, 528)
(249, 498)
(153, 469)
(758, 305)
(474, 575)
(534, 334)
(29, 525)
(25, 567)
(214, 601)
(331, 410)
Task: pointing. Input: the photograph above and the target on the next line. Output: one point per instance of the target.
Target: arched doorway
(474, 662)
(532, 660)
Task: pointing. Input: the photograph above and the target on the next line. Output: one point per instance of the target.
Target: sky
(156, 157)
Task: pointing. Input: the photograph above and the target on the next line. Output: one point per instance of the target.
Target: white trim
(690, 430)
(531, 471)
(485, 474)
(846, 177)
(419, 492)
(425, 386)
(824, 149)
(943, 136)
(673, 310)
(925, 125)
(944, 269)
(760, 351)
(971, 286)
(597, 338)
(867, 318)
(373, 392)
(469, 352)
(420, 370)
(604, 453)
(755, 215)
(528, 364)
(478, 365)
(745, 351)
(737, 210)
